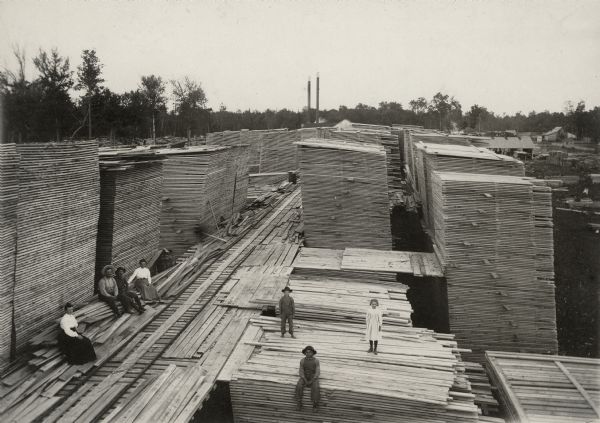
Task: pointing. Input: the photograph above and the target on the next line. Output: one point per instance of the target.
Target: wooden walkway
(169, 366)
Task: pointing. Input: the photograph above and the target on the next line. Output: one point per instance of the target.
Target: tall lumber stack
(546, 389)
(130, 204)
(485, 232)
(458, 158)
(202, 187)
(56, 225)
(415, 378)
(344, 194)
(9, 195)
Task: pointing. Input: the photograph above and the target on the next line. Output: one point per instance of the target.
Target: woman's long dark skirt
(78, 351)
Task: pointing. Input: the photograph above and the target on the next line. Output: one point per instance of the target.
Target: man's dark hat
(287, 288)
(308, 347)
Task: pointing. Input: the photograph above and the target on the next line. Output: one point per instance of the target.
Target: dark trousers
(112, 302)
(133, 299)
(315, 391)
(290, 319)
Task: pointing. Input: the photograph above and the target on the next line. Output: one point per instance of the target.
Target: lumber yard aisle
(145, 371)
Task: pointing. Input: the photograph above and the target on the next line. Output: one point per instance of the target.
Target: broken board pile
(546, 389)
(56, 231)
(486, 236)
(130, 199)
(417, 376)
(203, 187)
(9, 194)
(344, 194)
(263, 183)
(458, 158)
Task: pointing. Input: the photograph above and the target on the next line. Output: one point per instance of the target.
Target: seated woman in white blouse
(75, 346)
(142, 281)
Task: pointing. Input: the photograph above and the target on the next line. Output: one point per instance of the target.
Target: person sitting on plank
(109, 292)
(287, 309)
(124, 290)
(374, 320)
(309, 376)
(142, 281)
(74, 345)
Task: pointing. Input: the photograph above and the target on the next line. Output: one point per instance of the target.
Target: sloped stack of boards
(130, 200)
(457, 158)
(539, 388)
(203, 187)
(344, 194)
(418, 376)
(271, 150)
(9, 195)
(57, 222)
(500, 287)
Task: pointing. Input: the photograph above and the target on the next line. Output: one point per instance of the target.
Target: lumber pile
(457, 158)
(546, 389)
(415, 378)
(486, 236)
(130, 204)
(57, 222)
(9, 194)
(344, 194)
(260, 184)
(203, 187)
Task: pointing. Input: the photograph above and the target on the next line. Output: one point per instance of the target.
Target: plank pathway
(122, 385)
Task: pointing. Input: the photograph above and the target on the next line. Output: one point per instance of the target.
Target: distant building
(558, 134)
(521, 146)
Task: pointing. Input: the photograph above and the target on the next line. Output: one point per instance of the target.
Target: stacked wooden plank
(56, 225)
(415, 378)
(263, 183)
(202, 188)
(9, 195)
(457, 158)
(546, 389)
(345, 194)
(130, 204)
(485, 233)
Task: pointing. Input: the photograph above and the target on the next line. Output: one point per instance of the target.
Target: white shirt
(140, 273)
(67, 322)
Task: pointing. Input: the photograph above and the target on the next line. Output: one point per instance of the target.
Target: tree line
(61, 103)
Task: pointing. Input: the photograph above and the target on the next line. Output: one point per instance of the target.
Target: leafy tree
(190, 100)
(55, 80)
(89, 79)
(419, 106)
(152, 89)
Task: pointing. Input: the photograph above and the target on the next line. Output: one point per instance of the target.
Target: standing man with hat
(309, 376)
(287, 309)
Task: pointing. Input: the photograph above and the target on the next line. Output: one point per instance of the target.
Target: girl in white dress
(374, 322)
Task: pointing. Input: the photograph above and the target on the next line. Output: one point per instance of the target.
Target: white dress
(374, 322)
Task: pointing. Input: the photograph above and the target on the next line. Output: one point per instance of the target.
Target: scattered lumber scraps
(344, 194)
(9, 195)
(130, 204)
(203, 187)
(57, 222)
(500, 295)
(264, 183)
(369, 261)
(539, 388)
(415, 377)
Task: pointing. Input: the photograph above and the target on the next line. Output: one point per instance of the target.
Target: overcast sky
(507, 55)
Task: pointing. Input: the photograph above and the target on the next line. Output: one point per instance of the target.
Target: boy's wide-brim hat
(287, 288)
(309, 348)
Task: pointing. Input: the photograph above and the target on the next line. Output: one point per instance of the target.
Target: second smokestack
(317, 116)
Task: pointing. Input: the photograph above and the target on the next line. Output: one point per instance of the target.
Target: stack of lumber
(262, 183)
(130, 199)
(546, 389)
(278, 151)
(57, 222)
(415, 378)
(457, 158)
(482, 389)
(9, 194)
(344, 194)
(203, 187)
(223, 138)
(486, 236)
